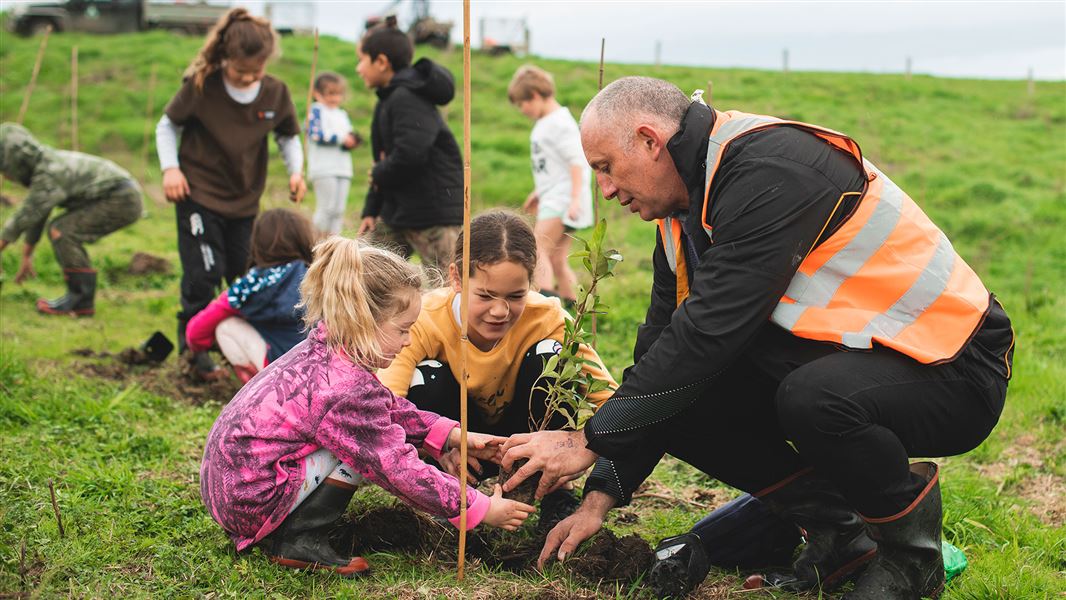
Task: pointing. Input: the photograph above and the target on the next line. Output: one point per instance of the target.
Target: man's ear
(454, 278)
(648, 137)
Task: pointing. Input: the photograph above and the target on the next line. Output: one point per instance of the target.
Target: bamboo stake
(149, 105)
(464, 302)
(74, 98)
(596, 196)
(33, 82)
(33, 76)
(310, 98)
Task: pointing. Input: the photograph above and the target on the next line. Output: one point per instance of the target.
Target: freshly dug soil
(132, 365)
(527, 490)
(613, 559)
(143, 263)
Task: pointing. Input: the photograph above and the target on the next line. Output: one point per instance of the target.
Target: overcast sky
(958, 39)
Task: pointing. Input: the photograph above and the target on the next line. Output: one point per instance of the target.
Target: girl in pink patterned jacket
(283, 458)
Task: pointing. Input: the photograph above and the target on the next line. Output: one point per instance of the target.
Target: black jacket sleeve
(663, 301)
(413, 127)
(767, 212)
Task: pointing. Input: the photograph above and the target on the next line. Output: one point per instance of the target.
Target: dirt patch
(166, 379)
(1047, 493)
(143, 263)
(527, 490)
(1023, 452)
(604, 559)
(6, 200)
(719, 589)
(613, 559)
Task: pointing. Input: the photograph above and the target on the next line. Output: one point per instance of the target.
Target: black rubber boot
(909, 563)
(555, 507)
(837, 546)
(681, 565)
(302, 539)
(78, 301)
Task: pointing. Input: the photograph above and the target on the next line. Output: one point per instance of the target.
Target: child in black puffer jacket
(415, 200)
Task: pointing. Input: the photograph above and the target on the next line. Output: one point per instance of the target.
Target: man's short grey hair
(630, 98)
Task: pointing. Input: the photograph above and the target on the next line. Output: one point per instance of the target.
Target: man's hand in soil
(560, 456)
(504, 513)
(568, 534)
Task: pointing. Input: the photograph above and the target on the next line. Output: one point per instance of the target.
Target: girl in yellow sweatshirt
(512, 329)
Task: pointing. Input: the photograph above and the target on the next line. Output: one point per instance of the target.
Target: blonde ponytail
(353, 287)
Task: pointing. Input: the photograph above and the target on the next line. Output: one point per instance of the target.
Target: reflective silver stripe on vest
(819, 288)
(728, 130)
(668, 243)
(929, 286)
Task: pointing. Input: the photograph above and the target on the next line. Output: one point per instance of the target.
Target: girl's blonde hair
(238, 34)
(352, 287)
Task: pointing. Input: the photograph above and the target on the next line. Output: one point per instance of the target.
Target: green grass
(983, 158)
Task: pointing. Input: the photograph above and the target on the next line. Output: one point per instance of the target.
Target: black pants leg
(211, 248)
(732, 434)
(857, 417)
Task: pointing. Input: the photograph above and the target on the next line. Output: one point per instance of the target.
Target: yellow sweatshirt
(435, 335)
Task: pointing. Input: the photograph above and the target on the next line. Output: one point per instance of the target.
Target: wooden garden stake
(310, 97)
(74, 98)
(148, 118)
(464, 302)
(33, 82)
(33, 76)
(596, 196)
(55, 508)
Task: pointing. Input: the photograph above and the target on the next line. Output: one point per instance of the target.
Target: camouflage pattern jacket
(71, 180)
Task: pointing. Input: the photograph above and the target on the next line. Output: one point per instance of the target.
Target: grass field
(984, 158)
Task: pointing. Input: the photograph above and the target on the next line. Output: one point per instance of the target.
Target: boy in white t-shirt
(562, 197)
(329, 163)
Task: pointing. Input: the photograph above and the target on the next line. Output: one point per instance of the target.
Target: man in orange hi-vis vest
(810, 330)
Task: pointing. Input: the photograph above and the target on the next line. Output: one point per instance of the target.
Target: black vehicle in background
(113, 16)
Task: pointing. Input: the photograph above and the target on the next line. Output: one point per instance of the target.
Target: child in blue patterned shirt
(256, 320)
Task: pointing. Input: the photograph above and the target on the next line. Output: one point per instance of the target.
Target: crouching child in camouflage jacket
(98, 196)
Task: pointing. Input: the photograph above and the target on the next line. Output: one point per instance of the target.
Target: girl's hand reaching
(479, 445)
(506, 514)
(297, 187)
(450, 462)
(175, 186)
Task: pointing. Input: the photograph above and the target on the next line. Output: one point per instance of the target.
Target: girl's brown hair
(496, 236)
(352, 287)
(239, 35)
(281, 236)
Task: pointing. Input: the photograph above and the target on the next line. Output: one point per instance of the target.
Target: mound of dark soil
(610, 558)
(527, 490)
(143, 263)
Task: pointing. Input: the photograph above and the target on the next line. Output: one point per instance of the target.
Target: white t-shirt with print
(555, 145)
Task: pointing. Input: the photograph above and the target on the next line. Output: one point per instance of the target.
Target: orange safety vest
(887, 275)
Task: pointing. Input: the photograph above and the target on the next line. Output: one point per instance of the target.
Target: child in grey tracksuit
(329, 163)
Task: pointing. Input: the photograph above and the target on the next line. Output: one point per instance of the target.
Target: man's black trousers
(856, 417)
